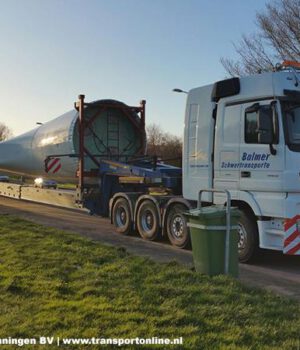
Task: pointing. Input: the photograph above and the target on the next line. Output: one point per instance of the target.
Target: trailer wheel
(247, 237)
(121, 216)
(148, 221)
(177, 229)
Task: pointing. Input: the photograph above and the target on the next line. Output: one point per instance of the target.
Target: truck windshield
(291, 118)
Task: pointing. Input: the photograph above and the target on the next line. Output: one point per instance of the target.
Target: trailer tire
(247, 237)
(148, 221)
(121, 216)
(177, 230)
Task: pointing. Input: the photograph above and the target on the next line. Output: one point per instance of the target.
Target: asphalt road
(273, 271)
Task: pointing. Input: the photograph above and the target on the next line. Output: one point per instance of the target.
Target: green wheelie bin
(214, 239)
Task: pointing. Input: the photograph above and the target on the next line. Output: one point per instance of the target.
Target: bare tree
(277, 39)
(5, 132)
(164, 145)
(154, 138)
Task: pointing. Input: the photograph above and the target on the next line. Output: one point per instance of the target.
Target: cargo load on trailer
(113, 130)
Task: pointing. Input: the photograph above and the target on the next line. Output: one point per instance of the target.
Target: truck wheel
(247, 237)
(121, 216)
(148, 221)
(177, 229)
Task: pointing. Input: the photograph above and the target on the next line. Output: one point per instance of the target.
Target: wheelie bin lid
(212, 212)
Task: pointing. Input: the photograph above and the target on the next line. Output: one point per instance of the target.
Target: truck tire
(148, 221)
(247, 237)
(177, 230)
(121, 216)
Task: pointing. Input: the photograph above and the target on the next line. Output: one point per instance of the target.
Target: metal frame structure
(80, 106)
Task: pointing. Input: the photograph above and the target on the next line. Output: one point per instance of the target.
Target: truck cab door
(227, 147)
(261, 163)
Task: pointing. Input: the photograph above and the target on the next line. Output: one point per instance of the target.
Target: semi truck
(240, 134)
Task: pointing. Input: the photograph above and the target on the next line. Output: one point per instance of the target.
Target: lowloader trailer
(241, 134)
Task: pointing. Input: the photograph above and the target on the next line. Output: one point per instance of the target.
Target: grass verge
(54, 283)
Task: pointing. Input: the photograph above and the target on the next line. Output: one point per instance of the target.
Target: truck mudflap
(291, 244)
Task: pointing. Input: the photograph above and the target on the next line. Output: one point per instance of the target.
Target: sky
(53, 50)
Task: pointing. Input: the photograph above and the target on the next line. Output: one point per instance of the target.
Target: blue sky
(129, 50)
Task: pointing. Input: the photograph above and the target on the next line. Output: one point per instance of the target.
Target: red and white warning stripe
(291, 245)
(53, 165)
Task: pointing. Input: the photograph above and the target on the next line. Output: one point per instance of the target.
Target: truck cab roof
(254, 87)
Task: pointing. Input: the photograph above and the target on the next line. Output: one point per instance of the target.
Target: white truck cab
(243, 135)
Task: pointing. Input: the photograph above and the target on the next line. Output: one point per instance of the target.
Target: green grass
(59, 284)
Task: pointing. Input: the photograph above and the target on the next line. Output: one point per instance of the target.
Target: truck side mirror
(265, 126)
